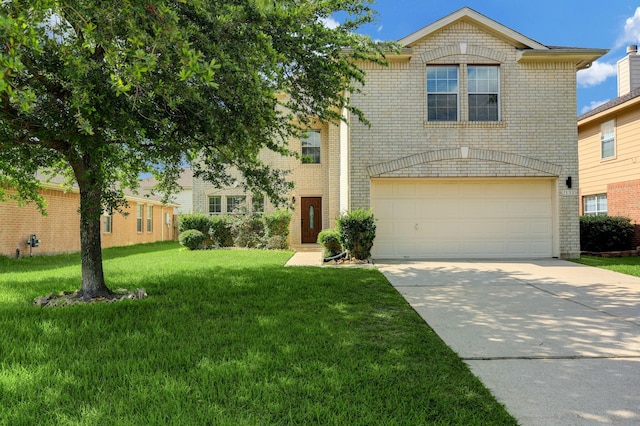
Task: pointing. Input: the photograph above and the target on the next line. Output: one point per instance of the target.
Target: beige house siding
(311, 180)
(536, 136)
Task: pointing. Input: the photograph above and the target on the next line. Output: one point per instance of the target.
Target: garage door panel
(463, 219)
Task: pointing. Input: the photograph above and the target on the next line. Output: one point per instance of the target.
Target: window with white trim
(215, 204)
(608, 139)
(484, 92)
(139, 213)
(311, 147)
(235, 201)
(594, 205)
(149, 218)
(442, 93)
(106, 222)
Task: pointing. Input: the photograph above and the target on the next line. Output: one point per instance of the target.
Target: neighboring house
(471, 151)
(59, 231)
(609, 149)
(184, 198)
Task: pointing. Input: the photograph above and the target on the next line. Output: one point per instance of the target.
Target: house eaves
(582, 57)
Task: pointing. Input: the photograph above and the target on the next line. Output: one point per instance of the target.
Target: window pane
(215, 205)
(483, 92)
(607, 139)
(595, 205)
(311, 147)
(442, 93)
(234, 202)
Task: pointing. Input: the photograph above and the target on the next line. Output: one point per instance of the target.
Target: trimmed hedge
(605, 233)
(330, 240)
(242, 230)
(192, 239)
(357, 232)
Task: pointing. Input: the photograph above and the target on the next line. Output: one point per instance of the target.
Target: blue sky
(605, 24)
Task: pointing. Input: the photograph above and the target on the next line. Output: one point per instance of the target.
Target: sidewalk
(305, 258)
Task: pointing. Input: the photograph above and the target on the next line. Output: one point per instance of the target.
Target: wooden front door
(311, 218)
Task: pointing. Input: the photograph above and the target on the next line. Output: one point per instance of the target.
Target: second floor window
(484, 88)
(311, 147)
(608, 139)
(442, 93)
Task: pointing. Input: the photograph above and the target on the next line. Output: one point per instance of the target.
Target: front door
(311, 218)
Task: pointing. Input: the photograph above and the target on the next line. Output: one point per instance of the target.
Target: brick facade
(59, 230)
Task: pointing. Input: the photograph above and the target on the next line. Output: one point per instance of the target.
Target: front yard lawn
(624, 265)
(226, 337)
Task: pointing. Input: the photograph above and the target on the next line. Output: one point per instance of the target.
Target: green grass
(624, 265)
(226, 337)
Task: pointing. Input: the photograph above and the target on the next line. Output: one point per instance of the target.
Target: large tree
(101, 91)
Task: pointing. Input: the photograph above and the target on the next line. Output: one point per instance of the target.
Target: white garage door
(427, 218)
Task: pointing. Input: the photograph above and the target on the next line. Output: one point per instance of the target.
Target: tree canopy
(101, 91)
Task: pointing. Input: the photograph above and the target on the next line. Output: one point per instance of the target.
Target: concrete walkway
(306, 258)
(558, 343)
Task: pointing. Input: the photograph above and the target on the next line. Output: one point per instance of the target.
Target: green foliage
(220, 231)
(102, 91)
(200, 222)
(192, 239)
(605, 233)
(276, 242)
(277, 223)
(248, 231)
(330, 240)
(357, 231)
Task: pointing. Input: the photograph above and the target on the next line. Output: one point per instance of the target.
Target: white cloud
(329, 22)
(631, 30)
(596, 74)
(593, 105)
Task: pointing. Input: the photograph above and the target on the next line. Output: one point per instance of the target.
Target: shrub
(220, 231)
(357, 232)
(330, 240)
(248, 231)
(192, 239)
(277, 223)
(199, 222)
(605, 233)
(276, 242)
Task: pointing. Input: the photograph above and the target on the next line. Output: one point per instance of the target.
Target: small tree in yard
(103, 91)
(357, 232)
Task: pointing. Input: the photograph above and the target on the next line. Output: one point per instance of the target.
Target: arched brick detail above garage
(463, 153)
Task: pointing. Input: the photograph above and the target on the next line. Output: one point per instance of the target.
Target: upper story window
(106, 221)
(484, 90)
(594, 205)
(442, 93)
(608, 139)
(311, 147)
(257, 203)
(215, 204)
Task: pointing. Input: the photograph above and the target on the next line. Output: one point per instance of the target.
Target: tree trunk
(93, 284)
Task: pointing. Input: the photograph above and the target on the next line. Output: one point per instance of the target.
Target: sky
(603, 24)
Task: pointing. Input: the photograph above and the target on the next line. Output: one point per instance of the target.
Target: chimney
(629, 71)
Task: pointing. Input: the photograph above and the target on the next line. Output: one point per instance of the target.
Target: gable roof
(529, 50)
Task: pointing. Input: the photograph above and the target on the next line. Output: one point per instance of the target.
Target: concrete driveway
(558, 343)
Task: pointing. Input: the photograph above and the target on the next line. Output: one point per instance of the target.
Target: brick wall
(59, 230)
(538, 124)
(623, 199)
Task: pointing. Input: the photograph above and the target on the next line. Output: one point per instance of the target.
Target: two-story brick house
(609, 149)
(471, 152)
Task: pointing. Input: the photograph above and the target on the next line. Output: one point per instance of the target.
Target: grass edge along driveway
(226, 337)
